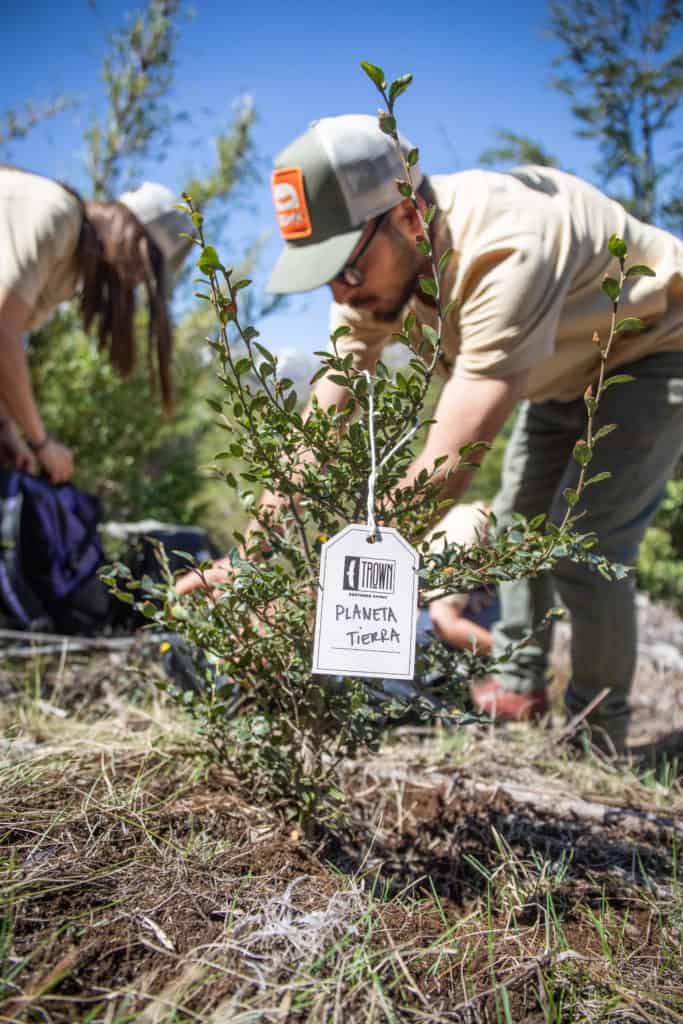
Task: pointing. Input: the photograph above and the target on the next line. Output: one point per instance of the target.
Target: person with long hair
(55, 247)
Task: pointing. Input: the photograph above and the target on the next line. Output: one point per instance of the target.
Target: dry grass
(467, 885)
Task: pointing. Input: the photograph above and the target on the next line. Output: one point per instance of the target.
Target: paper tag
(366, 617)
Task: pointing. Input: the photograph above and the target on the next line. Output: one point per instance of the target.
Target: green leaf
(582, 453)
(387, 123)
(570, 496)
(473, 446)
(604, 431)
(374, 73)
(429, 286)
(339, 332)
(241, 284)
(412, 157)
(619, 378)
(611, 288)
(430, 214)
(291, 401)
(405, 188)
(449, 307)
(640, 270)
(444, 260)
(597, 478)
(409, 322)
(630, 323)
(617, 246)
(268, 356)
(242, 366)
(430, 334)
(399, 86)
(208, 261)
(249, 333)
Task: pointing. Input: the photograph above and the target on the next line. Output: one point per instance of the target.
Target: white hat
(154, 205)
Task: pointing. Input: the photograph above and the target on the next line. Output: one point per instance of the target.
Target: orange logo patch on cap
(291, 208)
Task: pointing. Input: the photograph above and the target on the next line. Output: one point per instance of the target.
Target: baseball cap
(327, 184)
(154, 205)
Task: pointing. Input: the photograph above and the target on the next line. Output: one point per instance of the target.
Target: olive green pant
(641, 455)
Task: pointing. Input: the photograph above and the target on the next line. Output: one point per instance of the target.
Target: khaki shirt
(530, 252)
(40, 224)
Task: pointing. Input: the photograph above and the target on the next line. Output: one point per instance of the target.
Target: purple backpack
(49, 554)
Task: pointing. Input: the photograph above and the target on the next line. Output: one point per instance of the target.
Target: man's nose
(340, 290)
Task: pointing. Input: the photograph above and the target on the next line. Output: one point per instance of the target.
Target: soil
(130, 875)
(129, 881)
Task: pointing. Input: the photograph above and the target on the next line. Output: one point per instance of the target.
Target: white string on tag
(374, 468)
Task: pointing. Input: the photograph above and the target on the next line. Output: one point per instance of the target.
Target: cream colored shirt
(530, 252)
(40, 223)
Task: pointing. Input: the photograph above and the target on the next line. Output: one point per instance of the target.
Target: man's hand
(220, 572)
(57, 460)
(13, 451)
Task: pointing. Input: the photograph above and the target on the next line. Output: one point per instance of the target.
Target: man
(530, 250)
(53, 247)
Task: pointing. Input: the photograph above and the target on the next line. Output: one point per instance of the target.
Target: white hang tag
(366, 616)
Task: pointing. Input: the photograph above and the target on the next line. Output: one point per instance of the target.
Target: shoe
(490, 697)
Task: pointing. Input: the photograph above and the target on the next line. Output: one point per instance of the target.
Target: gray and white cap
(154, 205)
(327, 184)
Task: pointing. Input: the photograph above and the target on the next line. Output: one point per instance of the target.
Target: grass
(138, 885)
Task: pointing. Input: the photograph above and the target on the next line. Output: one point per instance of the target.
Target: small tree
(256, 628)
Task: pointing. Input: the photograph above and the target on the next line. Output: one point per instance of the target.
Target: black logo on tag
(369, 575)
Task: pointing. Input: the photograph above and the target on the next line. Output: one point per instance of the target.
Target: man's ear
(405, 219)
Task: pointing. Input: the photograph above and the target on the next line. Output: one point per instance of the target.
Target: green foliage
(660, 564)
(255, 625)
(138, 461)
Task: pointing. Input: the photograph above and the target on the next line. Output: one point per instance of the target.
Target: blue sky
(476, 67)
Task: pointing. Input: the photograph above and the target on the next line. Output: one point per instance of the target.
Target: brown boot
(490, 697)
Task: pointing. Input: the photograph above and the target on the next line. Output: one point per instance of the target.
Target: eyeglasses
(350, 274)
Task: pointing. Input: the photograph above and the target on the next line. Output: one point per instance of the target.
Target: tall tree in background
(625, 82)
(137, 71)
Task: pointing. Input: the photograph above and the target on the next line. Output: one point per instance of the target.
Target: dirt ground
(480, 875)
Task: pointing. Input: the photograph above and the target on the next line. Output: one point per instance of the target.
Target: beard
(406, 268)
(387, 315)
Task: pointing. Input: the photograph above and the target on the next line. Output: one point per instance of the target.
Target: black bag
(50, 551)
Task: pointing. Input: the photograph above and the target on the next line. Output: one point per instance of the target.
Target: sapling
(253, 632)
